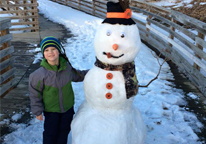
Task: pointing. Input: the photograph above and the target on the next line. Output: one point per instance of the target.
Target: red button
(109, 86)
(109, 76)
(108, 95)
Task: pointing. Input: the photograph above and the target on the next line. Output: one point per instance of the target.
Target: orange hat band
(126, 14)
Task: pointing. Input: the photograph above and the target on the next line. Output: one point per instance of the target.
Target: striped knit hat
(50, 42)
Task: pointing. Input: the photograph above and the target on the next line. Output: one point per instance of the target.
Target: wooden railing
(24, 14)
(175, 35)
(6, 70)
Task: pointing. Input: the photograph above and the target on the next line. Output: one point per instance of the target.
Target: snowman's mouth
(109, 55)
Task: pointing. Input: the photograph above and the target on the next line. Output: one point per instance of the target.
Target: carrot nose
(115, 46)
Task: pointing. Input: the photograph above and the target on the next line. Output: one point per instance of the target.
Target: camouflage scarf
(128, 71)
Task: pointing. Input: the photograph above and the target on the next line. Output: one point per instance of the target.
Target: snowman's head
(117, 44)
(117, 40)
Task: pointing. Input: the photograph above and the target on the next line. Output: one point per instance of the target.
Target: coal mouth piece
(112, 55)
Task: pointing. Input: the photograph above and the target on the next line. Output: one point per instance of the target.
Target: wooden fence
(175, 35)
(6, 70)
(24, 14)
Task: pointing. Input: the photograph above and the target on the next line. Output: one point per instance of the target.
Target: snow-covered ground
(166, 121)
(174, 3)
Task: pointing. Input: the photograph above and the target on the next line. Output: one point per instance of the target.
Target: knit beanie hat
(116, 14)
(50, 42)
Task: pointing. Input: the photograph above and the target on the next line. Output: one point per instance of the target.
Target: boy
(51, 91)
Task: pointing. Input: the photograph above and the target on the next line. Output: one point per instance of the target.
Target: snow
(160, 104)
(174, 3)
(202, 3)
(16, 117)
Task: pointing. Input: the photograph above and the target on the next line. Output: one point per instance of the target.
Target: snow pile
(16, 117)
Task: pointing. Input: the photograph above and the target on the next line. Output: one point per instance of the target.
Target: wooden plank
(6, 75)
(7, 86)
(85, 2)
(181, 38)
(23, 17)
(5, 23)
(5, 38)
(74, 2)
(142, 27)
(140, 22)
(189, 21)
(100, 7)
(73, 5)
(100, 15)
(103, 12)
(19, 5)
(100, 2)
(87, 6)
(200, 42)
(180, 48)
(25, 23)
(26, 28)
(13, 0)
(161, 42)
(6, 51)
(87, 10)
(4, 20)
(6, 63)
(18, 11)
(176, 26)
(61, 2)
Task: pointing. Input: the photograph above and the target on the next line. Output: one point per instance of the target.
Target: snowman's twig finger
(153, 78)
(157, 57)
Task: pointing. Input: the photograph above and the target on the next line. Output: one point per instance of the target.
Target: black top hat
(116, 14)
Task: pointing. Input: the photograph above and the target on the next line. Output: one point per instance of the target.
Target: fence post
(8, 7)
(93, 7)
(79, 4)
(202, 36)
(25, 8)
(170, 35)
(16, 8)
(148, 23)
(34, 19)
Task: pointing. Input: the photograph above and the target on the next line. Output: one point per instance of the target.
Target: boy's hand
(40, 117)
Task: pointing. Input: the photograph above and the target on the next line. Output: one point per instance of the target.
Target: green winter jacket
(51, 89)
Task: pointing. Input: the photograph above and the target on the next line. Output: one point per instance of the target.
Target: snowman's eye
(108, 33)
(122, 35)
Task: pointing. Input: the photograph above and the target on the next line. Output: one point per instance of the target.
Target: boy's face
(51, 54)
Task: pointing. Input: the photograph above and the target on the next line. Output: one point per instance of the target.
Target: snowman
(108, 115)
